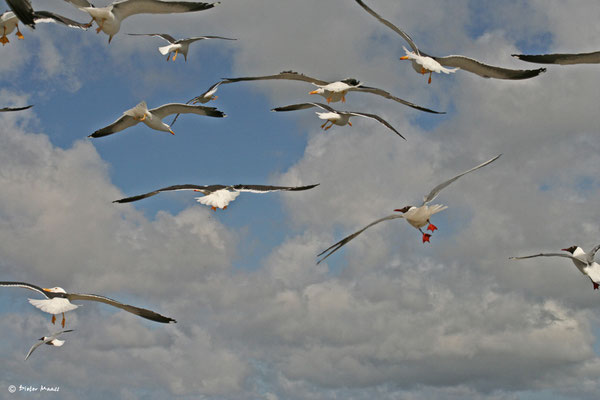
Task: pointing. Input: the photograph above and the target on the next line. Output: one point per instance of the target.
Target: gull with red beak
(58, 301)
(583, 261)
(415, 216)
(51, 340)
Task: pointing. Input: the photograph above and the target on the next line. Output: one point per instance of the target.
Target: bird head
(55, 289)
(403, 209)
(570, 249)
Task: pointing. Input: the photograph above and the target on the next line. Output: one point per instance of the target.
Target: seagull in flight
(218, 196)
(583, 261)
(424, 63)
(335, 117)
(177, 45)
(58, 301)
(417, 217)
(109, 18)
(331, 91)
(51, 340)
(153, 117)
(9, 22)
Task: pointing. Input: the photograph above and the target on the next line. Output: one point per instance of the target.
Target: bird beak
(313, 92)
(565, 249)
(47, 290)
(404, 58)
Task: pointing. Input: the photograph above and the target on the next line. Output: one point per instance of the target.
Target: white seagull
(109, 18)
(331, 91)
(51, 340)
(415, 216)
(561, 58)
(5, 109)
(9, 22)
(153, 117)
(177, 46)
(424, 63)
(583, 261)
(58, 301)
(217, 196)
(336, 117)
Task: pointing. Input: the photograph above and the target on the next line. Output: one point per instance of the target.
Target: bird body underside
(53, 306)
(419, 216)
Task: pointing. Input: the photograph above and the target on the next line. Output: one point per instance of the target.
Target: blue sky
(386, 316)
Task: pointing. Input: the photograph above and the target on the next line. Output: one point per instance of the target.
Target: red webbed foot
(426, 237)
(432, 227)
(596, 285)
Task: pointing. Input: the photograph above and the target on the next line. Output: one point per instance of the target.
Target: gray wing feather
(178, 108)
(194, 39)
(23, 10)
(393, 27)
(592, 254)
(122, 123)
(485, 70)
(203, 189)
(376, 118)
(304, 106)
(164, 36)
(563, 59)
(142, 312)
(288, 75)
(126, 8)
(267, 188)
(436, 190)
(387, 95)
(5, 109)
(26, 286)
(338, 245)
(47, 16)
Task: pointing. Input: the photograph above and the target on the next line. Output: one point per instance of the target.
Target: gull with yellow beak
(153, 117)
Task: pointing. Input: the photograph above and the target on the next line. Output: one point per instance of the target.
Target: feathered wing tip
(436, 208)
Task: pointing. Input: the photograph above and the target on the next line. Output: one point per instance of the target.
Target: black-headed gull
(51, 340)
(415, 216)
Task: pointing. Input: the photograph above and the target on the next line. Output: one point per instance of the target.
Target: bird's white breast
(56, 305)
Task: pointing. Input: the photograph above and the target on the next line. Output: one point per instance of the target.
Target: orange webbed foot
(426, 237)
(213, 208)
(432, 227)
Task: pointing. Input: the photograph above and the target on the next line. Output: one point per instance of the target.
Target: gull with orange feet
(58, 301)
(583, 261)
(424, 63)
(218, 196)
(418, 217)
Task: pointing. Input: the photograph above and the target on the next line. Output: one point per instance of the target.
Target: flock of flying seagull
(57, 301)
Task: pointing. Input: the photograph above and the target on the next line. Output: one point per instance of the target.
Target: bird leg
(213, 208)
(426, 236)
(429, 81)
(349, 123)
(19, 34)
(100, 25)
(431, 227)
(329, 100)
(327, 127)
(89, 24)
(53, 319)
(4, 39)
(343, 97)
(63, 320)
(168, 56)
(175, 56)
(225, 208)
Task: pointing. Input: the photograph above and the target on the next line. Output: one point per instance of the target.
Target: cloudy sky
(386, 316)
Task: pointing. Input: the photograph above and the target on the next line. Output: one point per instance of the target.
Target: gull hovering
(109, 18)
(218, 196)
(335, 117)
(561, 58)
(58, 301)
(153, 117)
(177, 46)
(331, 91)
(9, 22)
(583, 261)
(51, 340)
(415, 216)
(424, 63)
(5, 109)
